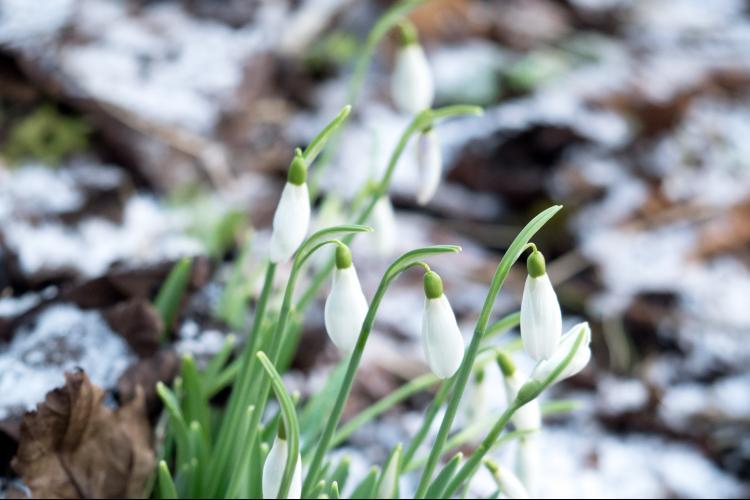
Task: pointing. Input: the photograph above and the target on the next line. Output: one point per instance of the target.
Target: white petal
(345, 309)
(528, 462)
(273, 472)
(580, 358)
(411, 86)
(441, 338)
(529, 416)
(384, 223)
(290, 222)
(511, 485)
(541, 319)
(430, 164)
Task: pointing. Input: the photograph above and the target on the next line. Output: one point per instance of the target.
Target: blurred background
(133, 133)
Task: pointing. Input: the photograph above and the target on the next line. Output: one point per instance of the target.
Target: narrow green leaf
(411, 258)
(340, 474)
(366, 488)
(214, 367)
(290, 422)
(179, 425)
(313, 416)
(195, 407)
(318, 143)
(437, 488)
(388, 483)
(334, 491)
(167, 489)
(170, 295)
(325, 236)
(319, 489)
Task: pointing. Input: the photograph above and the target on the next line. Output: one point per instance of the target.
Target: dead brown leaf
(73, 446)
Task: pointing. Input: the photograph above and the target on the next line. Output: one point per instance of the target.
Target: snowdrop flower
(384, 223)
(273, 469)
(529, 416)
(430, 164)
(346, 305)
(441, 338)
(292, 217)
(412, 87)
(541, 319)
(528, 462)
(508, 482)
(567, 342)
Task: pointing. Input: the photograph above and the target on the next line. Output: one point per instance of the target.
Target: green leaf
(413, 257)
(388, 483)
(340, 474)
(167, 489)
(313, 416)
(170, 295)
(366, 487)
(179, 426)
(214, 367)
(334, 491)
(290, 422)
(195, 404)
(326, 236)
(437, 488)
(318, 143)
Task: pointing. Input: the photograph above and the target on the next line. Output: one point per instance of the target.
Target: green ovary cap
(297, 171)
(535, 264)
(506, 364)
(343, 257)
(433, 285)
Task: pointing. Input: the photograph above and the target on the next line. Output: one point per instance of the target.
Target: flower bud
(292, 217)
(567, 342)
(273, 469)
(412, 87)
(441, 337)
(346, 305)
(508, 482)
(384, 223)
(529, 416)
(430, 165)
(541, 318)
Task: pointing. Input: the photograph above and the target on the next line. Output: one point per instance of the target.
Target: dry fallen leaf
(73, 446)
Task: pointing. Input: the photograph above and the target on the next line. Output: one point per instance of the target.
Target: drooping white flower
(430, 165)
(528, 462)
(383, 221)
(541, 318)
(412, 87)
(441, 337)
(567, 343)
(508, 482)
(346, 305)
(292, 217)
(529, 416)
(273, 470)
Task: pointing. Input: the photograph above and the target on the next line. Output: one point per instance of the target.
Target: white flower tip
(345, 309)
(541, 318)
(441, 338)
(290, 222)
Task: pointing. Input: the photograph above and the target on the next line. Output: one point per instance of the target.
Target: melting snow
(61, 339)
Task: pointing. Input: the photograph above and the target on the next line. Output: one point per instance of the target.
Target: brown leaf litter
(74, 446)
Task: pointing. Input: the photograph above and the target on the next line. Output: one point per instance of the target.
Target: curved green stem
(488, 442)
(391, 273)
(462, 377)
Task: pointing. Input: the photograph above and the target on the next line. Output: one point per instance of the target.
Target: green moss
(46, 135)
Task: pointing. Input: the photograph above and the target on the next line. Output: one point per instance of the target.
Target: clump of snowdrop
(441, 337)
(430, 165)
(412, 87)
(541, 318)
(292, 217)
(346, 305)
(273, 470)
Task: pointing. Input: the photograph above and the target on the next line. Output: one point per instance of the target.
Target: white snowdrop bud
(412, 87)
(346, 305)
(273, 469)
(430, 165)
(508, 482)
(567, 342)
(541, 318)
(383, 221)
(528, 462)
(529, 416)
(292, 217)
(441, 337)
